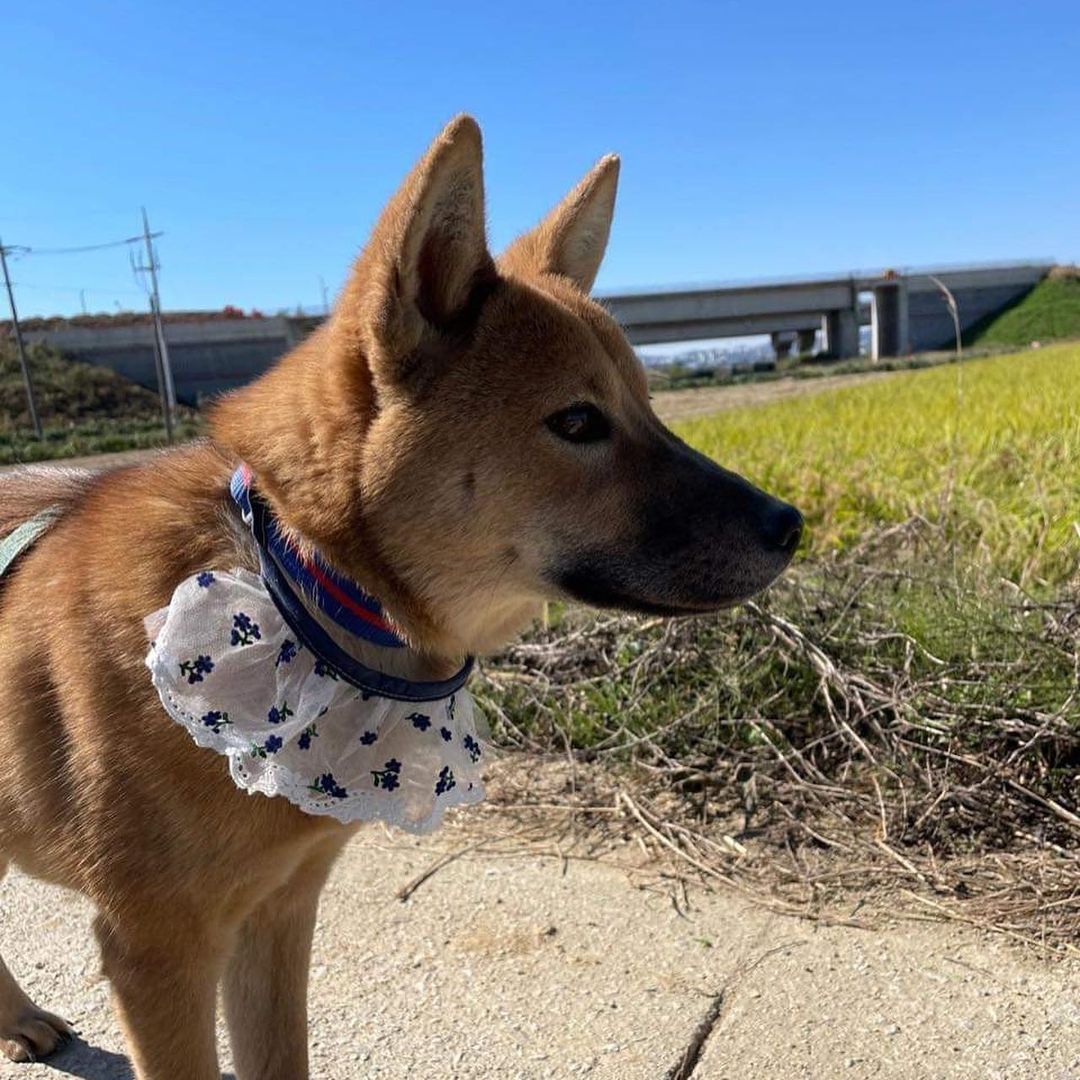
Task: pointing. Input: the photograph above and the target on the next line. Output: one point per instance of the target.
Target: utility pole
(161, 348)
(325, 296)
(34, 418)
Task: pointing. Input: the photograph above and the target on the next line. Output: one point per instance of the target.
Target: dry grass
(810, 745)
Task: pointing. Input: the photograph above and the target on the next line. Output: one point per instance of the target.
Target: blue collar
(342, 600)
(284, 570)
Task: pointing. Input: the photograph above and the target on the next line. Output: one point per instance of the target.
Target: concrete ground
(521, 965)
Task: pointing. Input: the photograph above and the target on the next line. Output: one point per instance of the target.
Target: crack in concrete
(684, 1068)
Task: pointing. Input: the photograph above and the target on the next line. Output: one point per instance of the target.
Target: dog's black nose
(783, 528)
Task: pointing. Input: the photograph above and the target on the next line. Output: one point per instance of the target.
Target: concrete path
(526, 966)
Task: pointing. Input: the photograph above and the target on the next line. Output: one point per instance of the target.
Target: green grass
(1051, 311)
(988, 450)
(85, 409)
(105, 436)
(68, 391)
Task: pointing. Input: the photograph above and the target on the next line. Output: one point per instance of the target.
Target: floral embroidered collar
(243, 666)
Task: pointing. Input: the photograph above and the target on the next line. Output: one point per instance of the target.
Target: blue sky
(758, 139)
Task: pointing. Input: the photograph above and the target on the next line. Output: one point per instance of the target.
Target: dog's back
(27, 491)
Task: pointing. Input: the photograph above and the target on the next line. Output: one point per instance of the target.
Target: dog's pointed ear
(571, 240)
(427, 266)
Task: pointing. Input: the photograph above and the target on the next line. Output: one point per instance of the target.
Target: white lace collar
(235, 676)
(241, 663)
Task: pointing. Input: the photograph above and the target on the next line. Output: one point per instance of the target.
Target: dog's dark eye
(579, 424)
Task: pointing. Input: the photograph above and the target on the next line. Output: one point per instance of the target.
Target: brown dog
(465, 437)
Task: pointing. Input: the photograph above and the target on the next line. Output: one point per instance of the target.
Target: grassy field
(901, 710)
(989, 449)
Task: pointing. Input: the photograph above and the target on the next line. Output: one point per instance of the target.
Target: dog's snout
(783, 528)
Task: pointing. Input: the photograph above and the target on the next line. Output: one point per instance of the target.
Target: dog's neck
(346, 612)
(305, 455)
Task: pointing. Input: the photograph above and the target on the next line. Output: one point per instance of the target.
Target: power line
(165, 384)
(88, 247)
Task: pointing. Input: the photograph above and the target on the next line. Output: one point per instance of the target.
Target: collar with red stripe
(286, 572)
(340, 599)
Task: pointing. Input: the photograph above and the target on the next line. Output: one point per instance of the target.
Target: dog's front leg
(267, 978)
(164, 980)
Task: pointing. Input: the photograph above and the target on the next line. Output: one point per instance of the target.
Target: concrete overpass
(905, 311)
(207, 355)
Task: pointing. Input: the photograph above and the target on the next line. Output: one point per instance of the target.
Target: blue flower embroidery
(325, 671)
(216, 720)
(279, 716)
(244, 631)
(387, 776)
(368, 738)
(446, 733)
(197, 668)
(327, 785)
(205, 580)
(309, 733)
(473, 747)
(446, 781)
(286, 654)
(271, 746)
(420, 721)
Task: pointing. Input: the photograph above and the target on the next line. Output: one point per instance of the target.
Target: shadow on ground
(81, 1059)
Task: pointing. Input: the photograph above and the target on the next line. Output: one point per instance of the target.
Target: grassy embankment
(85, 409)
(1050, 312)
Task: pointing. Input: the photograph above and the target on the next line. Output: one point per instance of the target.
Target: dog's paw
(34, 1033)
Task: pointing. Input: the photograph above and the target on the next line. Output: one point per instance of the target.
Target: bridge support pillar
(781, 343)
(805, 342)
(889, 325)
(840, 334)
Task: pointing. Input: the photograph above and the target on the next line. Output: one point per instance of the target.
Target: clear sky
(758, 138)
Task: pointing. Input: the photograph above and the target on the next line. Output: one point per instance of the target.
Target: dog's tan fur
(405, 440)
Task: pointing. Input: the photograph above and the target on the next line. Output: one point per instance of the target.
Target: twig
(410, 887)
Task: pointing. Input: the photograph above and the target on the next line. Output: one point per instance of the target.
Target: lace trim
(232, 673)
(273, 779)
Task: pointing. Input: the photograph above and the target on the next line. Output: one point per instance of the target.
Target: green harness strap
(16, 542)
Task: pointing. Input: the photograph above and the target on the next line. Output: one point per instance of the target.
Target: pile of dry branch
(879, 723)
